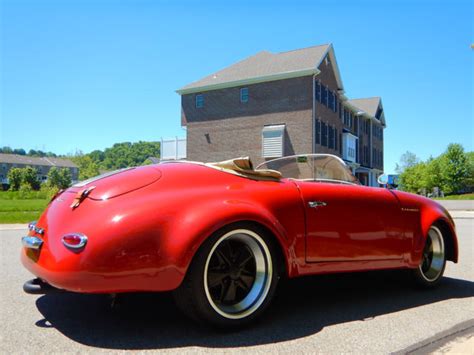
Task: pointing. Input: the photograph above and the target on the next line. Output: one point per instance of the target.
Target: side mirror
(383, 179)
(390, 181)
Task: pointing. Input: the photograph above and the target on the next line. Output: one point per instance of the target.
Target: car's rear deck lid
(118, 182)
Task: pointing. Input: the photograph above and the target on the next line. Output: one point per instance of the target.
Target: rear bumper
(85, 276)
(39, 287)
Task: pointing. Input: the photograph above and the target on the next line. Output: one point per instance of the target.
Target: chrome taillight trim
(82, 243)
(32, 242)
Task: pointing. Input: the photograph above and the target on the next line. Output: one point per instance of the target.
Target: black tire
(218, 290)
(433, 261)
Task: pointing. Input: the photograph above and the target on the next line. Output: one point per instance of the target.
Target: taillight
(74, 240)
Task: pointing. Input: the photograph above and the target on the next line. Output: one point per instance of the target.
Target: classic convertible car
(220, 235)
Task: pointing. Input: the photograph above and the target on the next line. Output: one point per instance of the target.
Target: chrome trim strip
(32, 227)
(31, 242)
(316, 204)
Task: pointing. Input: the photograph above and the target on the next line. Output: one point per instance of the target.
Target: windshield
(312, 167)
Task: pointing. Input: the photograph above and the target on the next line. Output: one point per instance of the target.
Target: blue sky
(87, 74)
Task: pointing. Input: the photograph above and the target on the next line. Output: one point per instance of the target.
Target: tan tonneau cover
(243, 166)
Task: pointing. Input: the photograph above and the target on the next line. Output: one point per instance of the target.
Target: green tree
(60, 178)
(407, 160)
(412, 178)
(456, 169)
(19, 151)
(15, 177)
(88, 167)
(65, 178)
(122, 155)
(97, 155)
(54, 179)
(433, 176)
(470, 175)
(30, 177)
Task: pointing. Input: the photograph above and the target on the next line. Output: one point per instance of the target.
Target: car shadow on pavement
(302, 307)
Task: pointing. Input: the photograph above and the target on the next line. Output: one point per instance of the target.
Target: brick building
(277, 104)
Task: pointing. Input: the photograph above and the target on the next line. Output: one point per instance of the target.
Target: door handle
(316, 204)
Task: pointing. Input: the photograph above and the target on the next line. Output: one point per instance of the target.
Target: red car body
(145, 224)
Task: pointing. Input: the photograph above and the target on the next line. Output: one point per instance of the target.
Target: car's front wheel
(433, 260)
(232, 278)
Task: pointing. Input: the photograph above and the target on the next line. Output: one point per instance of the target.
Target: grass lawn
(14, 209)
(457, 197)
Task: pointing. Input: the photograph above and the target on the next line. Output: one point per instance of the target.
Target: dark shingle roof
(44, 161)
(368, 105)
(264, 64)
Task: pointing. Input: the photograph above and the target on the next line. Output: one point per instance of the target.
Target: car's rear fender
(198, 223)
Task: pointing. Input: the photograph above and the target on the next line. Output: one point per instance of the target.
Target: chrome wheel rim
(432, 260)
(238, 274)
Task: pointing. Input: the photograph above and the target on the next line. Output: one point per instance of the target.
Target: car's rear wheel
(232, 278)
(433, 260)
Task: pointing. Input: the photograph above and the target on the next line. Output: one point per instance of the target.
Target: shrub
(30, 177)
(14, 178)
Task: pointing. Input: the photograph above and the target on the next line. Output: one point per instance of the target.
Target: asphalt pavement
(376, 312)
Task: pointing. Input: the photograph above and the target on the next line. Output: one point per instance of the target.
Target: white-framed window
(199, 100)
(349, 143)
(273, 141)
(244, 95)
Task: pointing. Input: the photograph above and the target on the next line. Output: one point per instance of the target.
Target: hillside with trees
(120, 155)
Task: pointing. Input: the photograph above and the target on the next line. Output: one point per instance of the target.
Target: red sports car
(221, 235)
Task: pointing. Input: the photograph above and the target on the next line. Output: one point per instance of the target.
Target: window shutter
(273, 141)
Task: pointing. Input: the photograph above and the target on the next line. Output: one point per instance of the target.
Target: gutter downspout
(314, 113)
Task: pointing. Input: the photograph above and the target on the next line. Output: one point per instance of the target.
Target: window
(317, 91)
(273, 141)
(335, 103)
(341, 112)
(324, 134)
(330, 137)
(357, 152)
(244, 95)
(318, 132)
(335, 138)
(331, 100)
(324, 95)
(199, 101)
(347, 118)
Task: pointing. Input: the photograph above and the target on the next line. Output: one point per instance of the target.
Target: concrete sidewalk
(461, 214)
(10, 227)
(457, 205)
